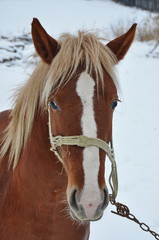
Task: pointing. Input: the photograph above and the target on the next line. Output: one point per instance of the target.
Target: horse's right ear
(121, 45)
(45, 45)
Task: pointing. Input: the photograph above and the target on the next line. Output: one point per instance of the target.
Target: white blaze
(91, 196)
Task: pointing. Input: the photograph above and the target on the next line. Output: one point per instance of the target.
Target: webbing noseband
(83, 141)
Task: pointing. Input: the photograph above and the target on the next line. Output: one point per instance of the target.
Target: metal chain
(123, 211)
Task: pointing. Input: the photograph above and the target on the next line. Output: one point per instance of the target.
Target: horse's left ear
(45, 45)
(121, 45)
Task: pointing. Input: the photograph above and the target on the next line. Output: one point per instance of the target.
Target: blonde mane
(85, 48)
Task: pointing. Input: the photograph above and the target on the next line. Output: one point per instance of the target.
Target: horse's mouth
(84, 219)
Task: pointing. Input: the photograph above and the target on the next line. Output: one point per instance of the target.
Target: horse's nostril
(106, 199)
(73, 200)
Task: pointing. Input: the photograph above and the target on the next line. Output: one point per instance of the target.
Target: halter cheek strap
(83, 141)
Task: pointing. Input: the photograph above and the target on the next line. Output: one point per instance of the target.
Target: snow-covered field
(136, 120)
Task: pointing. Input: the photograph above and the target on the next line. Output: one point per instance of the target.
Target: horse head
(82, 102)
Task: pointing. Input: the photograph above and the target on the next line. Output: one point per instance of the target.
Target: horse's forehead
(107, 87)
(85, 86)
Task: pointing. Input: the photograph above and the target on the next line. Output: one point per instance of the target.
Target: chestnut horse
(40, 197)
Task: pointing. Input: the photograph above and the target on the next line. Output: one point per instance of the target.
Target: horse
(73, 91)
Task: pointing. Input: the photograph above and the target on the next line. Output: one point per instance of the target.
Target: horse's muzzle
(91, 210)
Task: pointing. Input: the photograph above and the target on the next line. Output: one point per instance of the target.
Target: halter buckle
(55, 142)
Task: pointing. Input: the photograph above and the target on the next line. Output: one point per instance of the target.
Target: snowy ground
(136, 121)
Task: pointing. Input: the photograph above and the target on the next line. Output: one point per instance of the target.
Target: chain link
(123, 211)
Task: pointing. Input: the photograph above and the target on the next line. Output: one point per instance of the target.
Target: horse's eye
(54, 105)
(114, 104)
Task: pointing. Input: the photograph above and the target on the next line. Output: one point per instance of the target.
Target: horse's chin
(84, 219)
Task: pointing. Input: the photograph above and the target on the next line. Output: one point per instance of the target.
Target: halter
(83, 141)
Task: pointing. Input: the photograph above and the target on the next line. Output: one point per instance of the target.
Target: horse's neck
(37, 191)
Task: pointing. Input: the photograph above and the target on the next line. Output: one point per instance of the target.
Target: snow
(136, 120)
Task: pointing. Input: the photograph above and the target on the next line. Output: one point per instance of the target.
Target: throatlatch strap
(83, 141)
